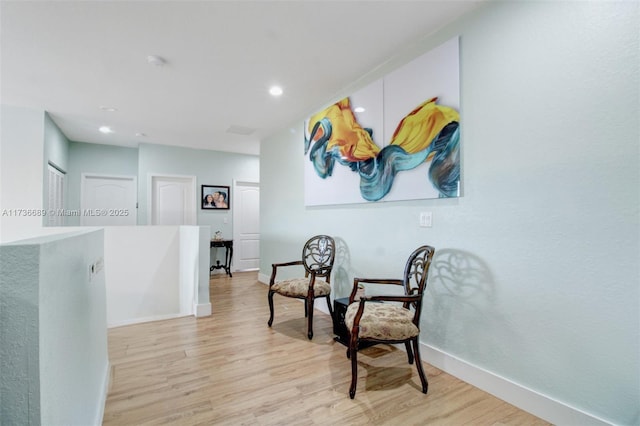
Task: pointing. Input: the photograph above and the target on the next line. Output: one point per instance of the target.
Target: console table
(228, 255)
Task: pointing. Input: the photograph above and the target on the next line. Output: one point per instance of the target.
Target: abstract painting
(396, 139)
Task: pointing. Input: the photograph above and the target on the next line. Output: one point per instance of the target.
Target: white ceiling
(71, 58)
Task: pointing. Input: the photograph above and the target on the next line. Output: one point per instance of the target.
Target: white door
(246, 226)
(108, 200)
(173, 200)
(56, 196)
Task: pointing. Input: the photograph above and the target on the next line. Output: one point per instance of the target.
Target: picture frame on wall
(215, 197)
(396, 139)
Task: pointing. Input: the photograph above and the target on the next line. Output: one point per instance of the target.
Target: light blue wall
(54, 362)
(536, 274)
(209, 167)
(96, 158)
(56, 144)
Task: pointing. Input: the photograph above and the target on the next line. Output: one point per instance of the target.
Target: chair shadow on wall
(342, 265)
(460, 309)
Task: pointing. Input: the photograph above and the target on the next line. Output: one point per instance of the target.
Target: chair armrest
(356, 281)
(295, 262)
(275, 266)
(390, 298)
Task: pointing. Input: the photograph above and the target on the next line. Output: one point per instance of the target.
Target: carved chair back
(318, 255)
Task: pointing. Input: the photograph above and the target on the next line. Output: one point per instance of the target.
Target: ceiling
(77, 59)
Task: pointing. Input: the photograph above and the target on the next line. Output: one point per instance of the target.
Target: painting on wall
(396, 139)
(215, 197)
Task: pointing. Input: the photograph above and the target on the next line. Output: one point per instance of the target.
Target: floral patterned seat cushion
(299, 287)
(382, 321)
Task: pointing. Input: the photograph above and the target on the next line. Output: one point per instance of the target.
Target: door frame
(193, 209)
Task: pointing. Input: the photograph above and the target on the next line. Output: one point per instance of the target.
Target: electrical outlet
(425, 220)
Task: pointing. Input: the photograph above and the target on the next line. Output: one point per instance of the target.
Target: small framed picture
(215, 197)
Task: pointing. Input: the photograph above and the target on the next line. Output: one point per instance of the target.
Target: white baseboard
(145, 319)
(202, 310)
(526, 399)
(264, 279)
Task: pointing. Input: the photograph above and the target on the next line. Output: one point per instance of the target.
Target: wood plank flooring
(232, 369)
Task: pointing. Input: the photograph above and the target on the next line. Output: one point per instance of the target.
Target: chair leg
(409, 352)
(423, 379)
(353, 354)
(309, 308)
(270, 297)
(354, 371)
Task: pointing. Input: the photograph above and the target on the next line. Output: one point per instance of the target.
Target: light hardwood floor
(231, 369)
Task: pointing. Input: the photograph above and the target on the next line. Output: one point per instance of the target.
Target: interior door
(246, 226)
(173, 200)
(108, 200)
(56, 196)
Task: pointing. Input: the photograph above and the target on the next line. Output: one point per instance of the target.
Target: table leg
(230, 256)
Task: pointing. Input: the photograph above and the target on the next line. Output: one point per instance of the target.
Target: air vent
(240, 130)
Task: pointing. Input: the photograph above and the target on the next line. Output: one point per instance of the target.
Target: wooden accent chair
(371, 321)
(318, 255)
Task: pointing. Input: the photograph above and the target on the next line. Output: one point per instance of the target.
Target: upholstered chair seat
(299, 287)
(383, 321)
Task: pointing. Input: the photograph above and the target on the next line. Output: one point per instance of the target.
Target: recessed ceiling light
(108, 109)
(275, 90)
(156, 60)
(359, 109)
(105, 129)
(141, 135)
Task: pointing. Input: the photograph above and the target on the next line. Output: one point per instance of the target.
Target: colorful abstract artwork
(393, 140)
